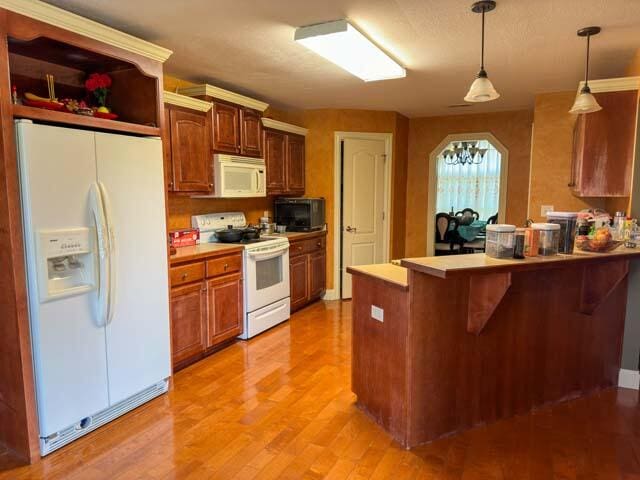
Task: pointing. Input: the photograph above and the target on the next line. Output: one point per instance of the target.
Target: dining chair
(475, 214)
(448, 240)
(492, 219)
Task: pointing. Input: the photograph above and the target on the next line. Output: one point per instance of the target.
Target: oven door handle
(267, 255)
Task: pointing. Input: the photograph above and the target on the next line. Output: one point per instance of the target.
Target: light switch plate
(544, 209)
(377, 313)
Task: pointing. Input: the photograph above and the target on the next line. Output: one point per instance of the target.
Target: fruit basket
(590, 245)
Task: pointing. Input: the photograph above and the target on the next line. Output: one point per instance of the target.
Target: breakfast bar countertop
(445, 266)
(395, 275)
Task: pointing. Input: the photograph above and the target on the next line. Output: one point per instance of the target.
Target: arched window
(468, 176)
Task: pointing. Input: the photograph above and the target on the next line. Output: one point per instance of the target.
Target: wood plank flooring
(280, 407)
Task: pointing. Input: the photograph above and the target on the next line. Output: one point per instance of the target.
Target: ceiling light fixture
(482, 89)
(463, 153)
(585, 101)
(344, 45)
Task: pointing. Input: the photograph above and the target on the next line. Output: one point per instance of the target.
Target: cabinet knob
(226, 265)
(184, 276)
(211, 185)
(170, 184)
(319, 244)
(571, 184)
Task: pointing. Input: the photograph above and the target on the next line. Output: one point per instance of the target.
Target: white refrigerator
(95, 247)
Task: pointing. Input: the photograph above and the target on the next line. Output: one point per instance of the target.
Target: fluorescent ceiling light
(341, 43)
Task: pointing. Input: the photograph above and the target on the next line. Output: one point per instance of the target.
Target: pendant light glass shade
(481, 90)
(585, 103)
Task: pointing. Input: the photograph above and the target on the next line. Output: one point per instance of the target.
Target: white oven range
(266, 272)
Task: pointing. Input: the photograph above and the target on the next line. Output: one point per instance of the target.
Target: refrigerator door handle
(97, 211)
(111, 260)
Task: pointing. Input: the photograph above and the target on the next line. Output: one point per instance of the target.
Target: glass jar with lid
(548, 238)
(500, 240)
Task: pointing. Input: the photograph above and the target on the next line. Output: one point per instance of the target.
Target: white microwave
(238, 177)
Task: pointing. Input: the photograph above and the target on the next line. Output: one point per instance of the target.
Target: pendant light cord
(586, 68)
(482, 47)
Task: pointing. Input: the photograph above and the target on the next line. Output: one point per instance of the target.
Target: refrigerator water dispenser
(66, 262)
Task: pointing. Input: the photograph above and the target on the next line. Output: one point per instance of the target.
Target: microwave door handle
(258, 186)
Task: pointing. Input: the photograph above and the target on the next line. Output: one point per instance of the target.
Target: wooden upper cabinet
(190, 152)
(166, 148)
(225, 308)
(188, 321)
(604, 145)
(275, 145)
(250, 133)
(226, 128)
(295, 164)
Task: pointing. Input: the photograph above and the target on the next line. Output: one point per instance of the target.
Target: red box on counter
(184, 238)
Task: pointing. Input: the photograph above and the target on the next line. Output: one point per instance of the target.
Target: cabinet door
(250, 133)
(299, 281)
(224, 297)
(188, 322)
(226, 128)
(317, 274)
(295, 164)
(275, 144)
(190, 153)
(166, 148)
(604, 145)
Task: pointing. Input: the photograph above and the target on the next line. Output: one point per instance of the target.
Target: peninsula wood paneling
(422, 376)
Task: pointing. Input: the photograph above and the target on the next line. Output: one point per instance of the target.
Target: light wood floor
(280, 406)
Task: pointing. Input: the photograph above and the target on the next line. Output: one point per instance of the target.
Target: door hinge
(384, 216)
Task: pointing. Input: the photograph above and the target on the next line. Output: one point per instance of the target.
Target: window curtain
(470, 186)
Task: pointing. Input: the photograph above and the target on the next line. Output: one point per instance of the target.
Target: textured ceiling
(247, 46)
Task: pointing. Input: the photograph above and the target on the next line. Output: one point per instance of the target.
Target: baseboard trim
(629, 379)
(331, 295)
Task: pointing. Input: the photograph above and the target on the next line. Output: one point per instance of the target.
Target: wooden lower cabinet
(307, 269)
(188, 321)
(299, 281)
(206, 308)
(224, 302)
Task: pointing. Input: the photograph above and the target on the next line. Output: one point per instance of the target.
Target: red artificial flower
(96, 81)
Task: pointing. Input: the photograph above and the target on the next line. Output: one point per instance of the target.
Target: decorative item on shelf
(32, 100)
(98, 84)
(482, 89)
(463, 153)
(585, 101)
(14, 94)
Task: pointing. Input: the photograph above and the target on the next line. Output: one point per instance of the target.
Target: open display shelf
(132, 95)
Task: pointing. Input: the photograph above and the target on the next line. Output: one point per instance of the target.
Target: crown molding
(83, 26)
(286, 127)
(222, 94)
(619, 84)
(186, 102)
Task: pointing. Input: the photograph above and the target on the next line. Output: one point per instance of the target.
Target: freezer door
(57, 168)
(130, 173)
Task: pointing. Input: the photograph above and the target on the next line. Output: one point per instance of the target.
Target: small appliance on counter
(300, 214)
(265, 265)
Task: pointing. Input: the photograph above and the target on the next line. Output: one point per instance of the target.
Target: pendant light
(585, 101)
(482, 89)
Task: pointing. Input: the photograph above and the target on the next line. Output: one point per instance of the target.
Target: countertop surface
(298, 235)
(444, 266)
(389, 272)
(196, 252)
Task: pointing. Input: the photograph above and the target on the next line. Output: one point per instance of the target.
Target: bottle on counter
(618, 226)
(518, 249)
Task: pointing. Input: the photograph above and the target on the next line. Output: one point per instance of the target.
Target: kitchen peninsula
(441, 344)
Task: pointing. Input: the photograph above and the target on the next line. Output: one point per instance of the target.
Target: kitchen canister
(500, 240)
(568, 222)
(548, 238)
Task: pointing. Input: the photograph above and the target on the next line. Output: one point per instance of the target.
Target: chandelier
(463, 153)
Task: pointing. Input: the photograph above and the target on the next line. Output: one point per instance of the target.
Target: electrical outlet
(544, 209)
(377, 313)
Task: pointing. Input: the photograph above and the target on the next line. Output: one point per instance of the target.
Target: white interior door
(57, 168)
(362, 205)
(130, 171)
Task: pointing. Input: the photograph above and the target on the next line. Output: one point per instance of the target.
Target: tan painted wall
(513, 129)
(551, 156)
(322, 125)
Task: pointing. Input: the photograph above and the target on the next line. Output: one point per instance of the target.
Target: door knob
(351, 229)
